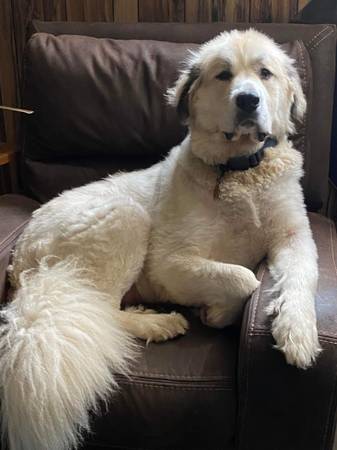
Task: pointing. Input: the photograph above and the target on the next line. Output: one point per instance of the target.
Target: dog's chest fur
(231, 228)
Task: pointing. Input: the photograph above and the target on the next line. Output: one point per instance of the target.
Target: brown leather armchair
(100, 108)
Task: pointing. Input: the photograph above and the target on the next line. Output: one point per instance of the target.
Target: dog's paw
(216, 316)
(241, 285)
(296, 336)
(166, 326)
(221, 315)
(244, 282)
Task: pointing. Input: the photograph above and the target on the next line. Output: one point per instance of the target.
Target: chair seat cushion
(181, 395)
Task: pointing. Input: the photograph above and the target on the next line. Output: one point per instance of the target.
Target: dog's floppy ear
(178, 95)
(299, 103)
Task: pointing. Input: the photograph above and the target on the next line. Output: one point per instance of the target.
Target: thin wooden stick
(20, 110)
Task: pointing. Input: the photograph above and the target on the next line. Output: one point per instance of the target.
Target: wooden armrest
(6, 152)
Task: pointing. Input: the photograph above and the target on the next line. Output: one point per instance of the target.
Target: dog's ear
(178, 95)
(299, 103)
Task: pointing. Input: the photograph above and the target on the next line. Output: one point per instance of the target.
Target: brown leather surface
(15, 211)
(181, 395)
(105, 96)
(47, 179)
(100, 97)
(297, 409)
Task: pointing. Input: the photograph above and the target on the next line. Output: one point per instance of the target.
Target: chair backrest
(98, 95)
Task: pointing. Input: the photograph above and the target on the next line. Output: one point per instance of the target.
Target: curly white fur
(59, 346)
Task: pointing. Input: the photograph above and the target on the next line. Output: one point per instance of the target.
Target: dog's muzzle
(249, 113)
(247, 103)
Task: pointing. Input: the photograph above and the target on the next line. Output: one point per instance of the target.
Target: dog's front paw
(221, 315)
(217, 316)
(241, 285)
(295, 334)
(244, 282)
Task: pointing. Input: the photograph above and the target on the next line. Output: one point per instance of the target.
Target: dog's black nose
(247, 102)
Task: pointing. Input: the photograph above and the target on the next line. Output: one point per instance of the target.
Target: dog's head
(240, 85)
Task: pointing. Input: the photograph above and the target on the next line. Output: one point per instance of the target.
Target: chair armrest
(282, 407)
(15, 211)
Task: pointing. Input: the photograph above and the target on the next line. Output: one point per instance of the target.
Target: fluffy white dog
(188, 230)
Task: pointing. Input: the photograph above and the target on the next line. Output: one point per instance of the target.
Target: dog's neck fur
(278, 160)
(213, 148)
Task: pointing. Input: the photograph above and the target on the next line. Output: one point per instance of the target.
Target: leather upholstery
(272, 393)
(100, 121)
(181, 395)
(15, 211)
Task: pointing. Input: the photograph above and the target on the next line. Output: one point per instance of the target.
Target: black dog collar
(244, 162)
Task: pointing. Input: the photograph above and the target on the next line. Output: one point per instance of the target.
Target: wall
(15, 16)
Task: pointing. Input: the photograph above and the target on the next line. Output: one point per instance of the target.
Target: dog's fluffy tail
(60, 343)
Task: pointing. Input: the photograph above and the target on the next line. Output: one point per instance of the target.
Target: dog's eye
(265, 73)
(225, 75)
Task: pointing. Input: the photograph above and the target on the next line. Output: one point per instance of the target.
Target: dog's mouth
(249, 127)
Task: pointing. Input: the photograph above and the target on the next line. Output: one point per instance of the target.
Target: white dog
(188, 230)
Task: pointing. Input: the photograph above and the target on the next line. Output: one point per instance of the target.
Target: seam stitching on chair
(328, 339)
(317, 34)
(258, 296)
(109, 446)
(265, 331)
(329, 415)
(187, 377)
(245, 381)
(260, 333)
(245, 405)
(8, 238)
(332, 230)
(321, 40)
(299, 50)
(123, 447)
(179, 388)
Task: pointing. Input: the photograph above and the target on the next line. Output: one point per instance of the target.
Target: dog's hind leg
(108, 239)
(120, 249)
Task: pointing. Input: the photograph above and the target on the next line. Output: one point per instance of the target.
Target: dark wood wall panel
(98, 10)
(8, 67)
(15, 16)
(126, 11)
(50, 9)
(161, 10)
(217, 10)
(260, 11)
(75, 10)
(272, 10)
